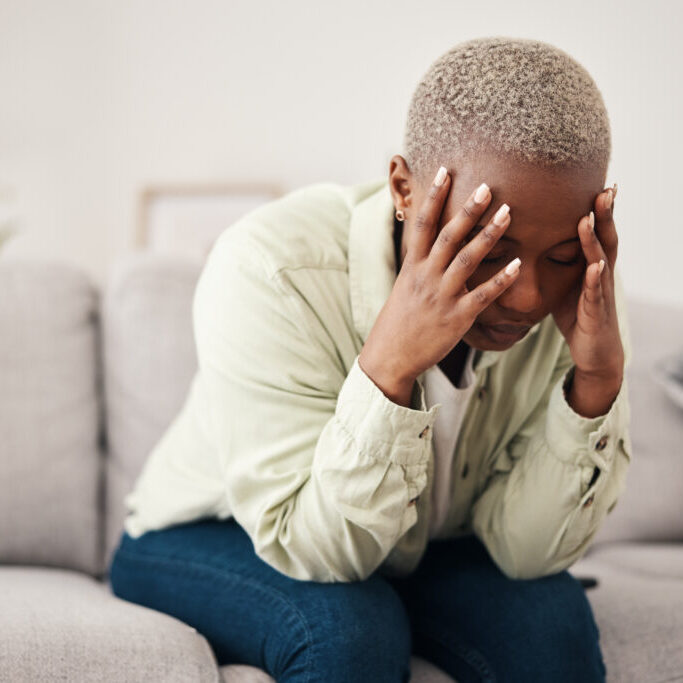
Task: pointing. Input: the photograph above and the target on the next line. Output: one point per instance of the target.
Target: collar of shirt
(372, 264)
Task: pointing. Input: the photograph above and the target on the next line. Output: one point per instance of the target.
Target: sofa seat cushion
(654, 560)
(62, 625)
(638, 606)
(421, 671)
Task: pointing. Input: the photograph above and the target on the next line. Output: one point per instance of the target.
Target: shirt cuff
(382, 428)
(585, 441)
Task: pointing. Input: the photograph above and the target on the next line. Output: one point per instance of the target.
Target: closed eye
(560, 263)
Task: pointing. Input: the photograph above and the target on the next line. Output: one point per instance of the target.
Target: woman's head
(528, 120)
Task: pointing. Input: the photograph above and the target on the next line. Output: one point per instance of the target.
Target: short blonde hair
(518, 97)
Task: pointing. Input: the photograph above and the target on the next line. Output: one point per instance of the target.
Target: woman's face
(545, 209)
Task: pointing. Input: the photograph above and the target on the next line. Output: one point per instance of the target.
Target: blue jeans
(457, 609)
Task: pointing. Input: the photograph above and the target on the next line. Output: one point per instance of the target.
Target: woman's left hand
(590, 324)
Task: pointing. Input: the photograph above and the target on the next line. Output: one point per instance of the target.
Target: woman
(410, 415)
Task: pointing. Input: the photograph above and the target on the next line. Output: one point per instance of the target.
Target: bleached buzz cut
(516, 97)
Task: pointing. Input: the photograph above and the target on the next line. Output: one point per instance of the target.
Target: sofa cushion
(651, 506)
(669, 373)
(149, 361)
(654, 560)
(421, 671)
(49, 417)
(60, 625)
(638, 606)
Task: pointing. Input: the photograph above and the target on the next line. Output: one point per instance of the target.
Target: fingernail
(615, 189)
(608, 201)
(513, 266)
(501, 214)
(440, 176)
(601, 266)
(481, 193)
(591, 220)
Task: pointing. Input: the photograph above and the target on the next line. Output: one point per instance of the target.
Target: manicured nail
(481, 193)
(615, 189)
(501, 214)
(601, 266)
(440, 176)
(608, 201)
(513, 266)
(591, 221)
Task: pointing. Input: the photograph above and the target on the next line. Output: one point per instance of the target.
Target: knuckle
(499, 280)
(468, 210)
(464, 258)
(445, 238)
(481, 297)
(421, 221)
(488, 236)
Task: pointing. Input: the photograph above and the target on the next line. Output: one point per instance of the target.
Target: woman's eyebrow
(475, 230)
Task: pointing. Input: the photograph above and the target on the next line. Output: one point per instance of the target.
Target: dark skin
(550, 231)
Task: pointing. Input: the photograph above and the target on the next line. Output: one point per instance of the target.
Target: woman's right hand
(430, 308)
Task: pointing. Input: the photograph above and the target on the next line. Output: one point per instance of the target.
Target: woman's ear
(401, 182)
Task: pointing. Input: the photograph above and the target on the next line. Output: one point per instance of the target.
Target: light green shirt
(282, 430)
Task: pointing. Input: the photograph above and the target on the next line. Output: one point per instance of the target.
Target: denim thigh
(477, 624)
(207, 574)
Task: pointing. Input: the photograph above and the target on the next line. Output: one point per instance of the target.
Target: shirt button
(601, 444)
(465, 470)
(424, 431)
(481, 393)
(589, 501)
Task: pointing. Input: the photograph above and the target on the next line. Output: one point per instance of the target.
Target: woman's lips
(504, 333)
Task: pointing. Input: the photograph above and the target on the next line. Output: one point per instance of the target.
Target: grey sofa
(88, 382)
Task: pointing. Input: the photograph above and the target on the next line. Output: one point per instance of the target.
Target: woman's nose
(523, 297)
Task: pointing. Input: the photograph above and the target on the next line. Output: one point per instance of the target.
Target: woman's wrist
(590, 396)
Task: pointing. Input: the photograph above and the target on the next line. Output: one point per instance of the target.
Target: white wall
(100, 99)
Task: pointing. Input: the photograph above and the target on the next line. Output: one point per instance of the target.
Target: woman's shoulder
(305, 228)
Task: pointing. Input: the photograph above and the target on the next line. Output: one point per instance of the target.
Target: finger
(454, 232)
(476, 300)
(604, 225)
(420, 239)
(592, 248)
(592, 300)
(468, 258)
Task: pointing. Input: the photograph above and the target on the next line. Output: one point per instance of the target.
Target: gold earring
(400, 215)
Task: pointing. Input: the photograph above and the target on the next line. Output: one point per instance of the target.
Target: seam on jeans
(147, 557)
(471, 655)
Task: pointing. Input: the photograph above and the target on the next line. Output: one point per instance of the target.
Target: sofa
(90, 379)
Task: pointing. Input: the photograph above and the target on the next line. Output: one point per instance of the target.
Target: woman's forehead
(536, 196)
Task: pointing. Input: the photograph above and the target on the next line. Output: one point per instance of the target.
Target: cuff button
(601, 444)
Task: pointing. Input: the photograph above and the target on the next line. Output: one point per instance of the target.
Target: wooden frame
(216, 197)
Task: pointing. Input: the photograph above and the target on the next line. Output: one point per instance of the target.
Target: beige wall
(100, 99)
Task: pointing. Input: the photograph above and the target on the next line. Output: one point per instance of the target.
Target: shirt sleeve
(557, 479)
(320, 467)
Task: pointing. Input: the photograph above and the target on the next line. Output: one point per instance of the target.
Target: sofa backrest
(651, 506)
(50, 417)
(149, 360)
